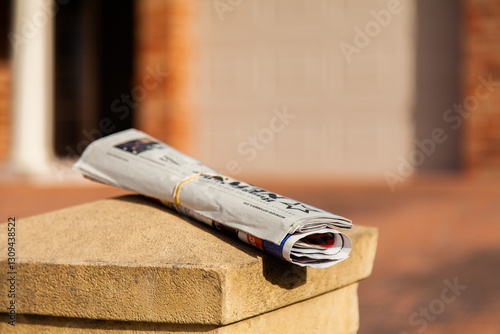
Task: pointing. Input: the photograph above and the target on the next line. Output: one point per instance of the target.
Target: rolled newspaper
(286, 228)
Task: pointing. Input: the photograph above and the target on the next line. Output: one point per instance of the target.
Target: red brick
(164, 29)
(482, 58)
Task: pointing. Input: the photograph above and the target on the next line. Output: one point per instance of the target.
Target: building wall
(4, 80)
(438, 86)
(4, 109)
(165, 46)
(482, 65)
(264, 86)
(348, 95)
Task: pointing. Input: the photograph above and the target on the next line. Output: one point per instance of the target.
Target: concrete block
(333, 312)
(130, 259)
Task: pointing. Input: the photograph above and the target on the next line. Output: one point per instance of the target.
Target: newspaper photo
(286, 228)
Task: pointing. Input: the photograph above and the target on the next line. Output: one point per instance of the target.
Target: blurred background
(386, 112)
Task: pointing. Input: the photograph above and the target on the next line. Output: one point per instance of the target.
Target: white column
(32, 86)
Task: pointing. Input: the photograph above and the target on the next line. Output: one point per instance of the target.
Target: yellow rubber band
(177, 189)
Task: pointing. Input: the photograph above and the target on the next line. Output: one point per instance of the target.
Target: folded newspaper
(286, 228)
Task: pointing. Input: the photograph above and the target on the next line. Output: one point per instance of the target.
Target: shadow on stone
(284, 274)
(63, 324)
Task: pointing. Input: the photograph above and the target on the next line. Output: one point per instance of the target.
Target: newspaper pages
(286, 228)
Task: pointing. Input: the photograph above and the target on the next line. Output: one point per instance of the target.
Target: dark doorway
(94, 57)
(5, 14)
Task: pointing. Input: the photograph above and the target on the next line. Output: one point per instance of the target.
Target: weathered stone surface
(333, 312)
(130, 259)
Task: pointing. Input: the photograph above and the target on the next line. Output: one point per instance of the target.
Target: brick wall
(240, 78)
(482, 64)
(165, 44)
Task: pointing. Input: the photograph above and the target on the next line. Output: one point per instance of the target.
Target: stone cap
(131, 259)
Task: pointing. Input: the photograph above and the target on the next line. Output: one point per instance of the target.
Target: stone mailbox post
(130, 265)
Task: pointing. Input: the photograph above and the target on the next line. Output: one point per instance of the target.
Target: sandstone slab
(130, 259)
(333, 312)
